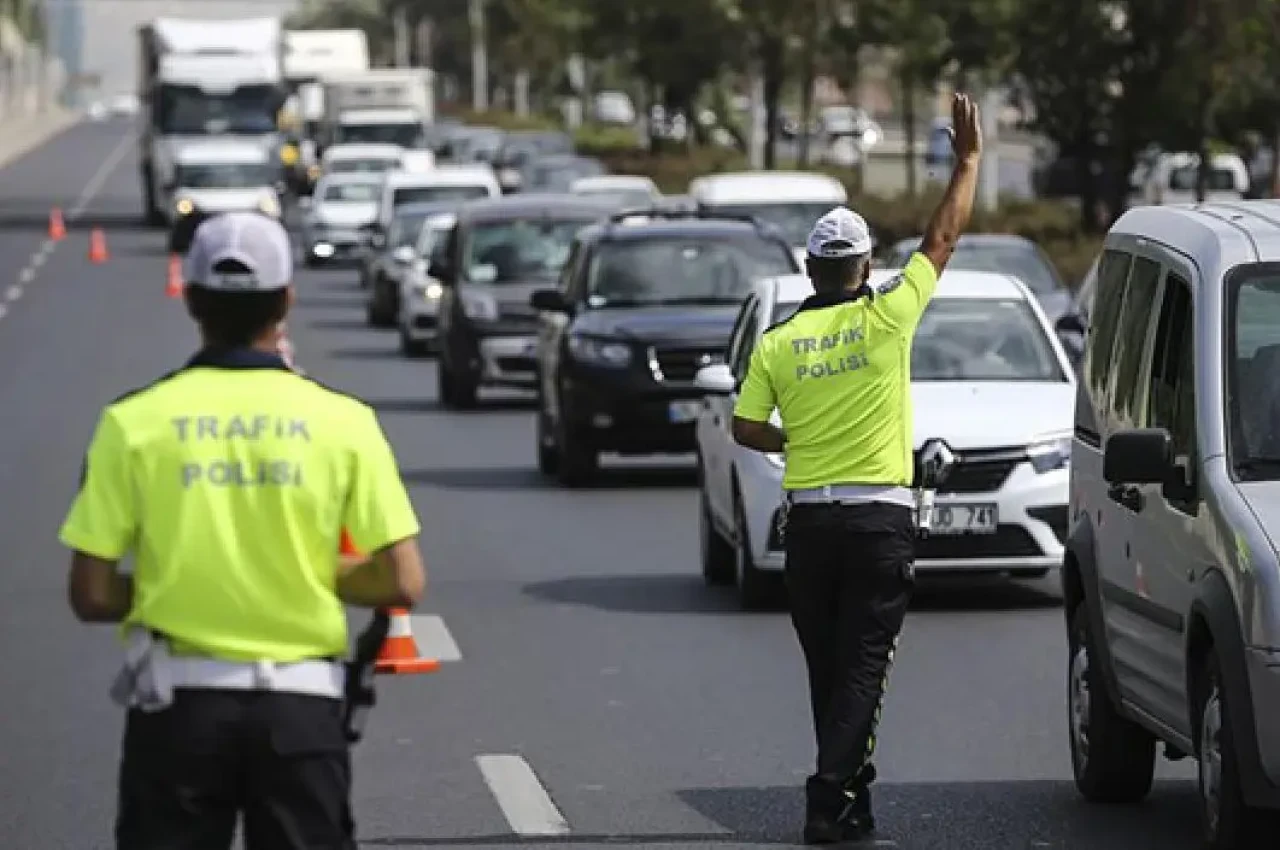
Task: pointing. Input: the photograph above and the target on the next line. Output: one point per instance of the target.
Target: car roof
(977, 240)
(640, 226)
(614, 181)
(226, 151)
(1217, 236)
(760, 186)
(534, 204)
(357, 150)
(443, 175)
(366, 177)
(954, 283)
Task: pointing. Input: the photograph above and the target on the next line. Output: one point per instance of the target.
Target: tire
(577, 464)
(413, 348)
(1227, 822)
(717, 553)
(465, 393)
(757, 589)
(380, 316)
(548, 453)
(1112, 757)
(444, 383)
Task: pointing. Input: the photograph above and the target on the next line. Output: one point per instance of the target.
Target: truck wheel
(1227, 822)
(1112, 757)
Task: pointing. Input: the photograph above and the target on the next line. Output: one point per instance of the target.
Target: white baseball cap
(840, 233)
(258, 243)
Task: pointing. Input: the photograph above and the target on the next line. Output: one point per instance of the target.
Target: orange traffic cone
(174, 287)
(98, 247)
(399, 653)
(57, 227)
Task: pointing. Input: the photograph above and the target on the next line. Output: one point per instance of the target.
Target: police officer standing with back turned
(229, 481)
(838, 372)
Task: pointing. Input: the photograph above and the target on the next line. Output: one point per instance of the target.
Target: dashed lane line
(13, 293)
(433, 638)
(525, 803)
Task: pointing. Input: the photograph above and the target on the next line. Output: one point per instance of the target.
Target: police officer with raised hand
(838, 373)
(229, 481)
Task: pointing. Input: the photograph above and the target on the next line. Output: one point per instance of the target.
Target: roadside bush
(606, 141)
(501, 120)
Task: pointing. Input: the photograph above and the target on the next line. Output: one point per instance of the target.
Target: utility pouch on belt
(360, 695)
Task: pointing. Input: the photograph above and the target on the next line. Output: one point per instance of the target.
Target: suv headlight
(431, 290)
(1050, 453)
(184, 206)
(599, 352)
(269, 206)
(479, 307)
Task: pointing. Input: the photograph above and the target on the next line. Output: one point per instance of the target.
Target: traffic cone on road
(98, 247)
(173, 288)
(57, 227)
(399, 653)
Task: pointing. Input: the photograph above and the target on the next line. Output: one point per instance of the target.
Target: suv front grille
(980, 471)
(681, 363)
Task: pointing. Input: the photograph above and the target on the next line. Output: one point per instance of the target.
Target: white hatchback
(988, 376)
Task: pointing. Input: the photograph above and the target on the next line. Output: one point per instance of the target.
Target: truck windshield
(404, 135)
(186, 110)
(223, 175)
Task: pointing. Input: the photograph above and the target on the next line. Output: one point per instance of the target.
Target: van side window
(1131, 338)
(1113, 271)
(1171, 397)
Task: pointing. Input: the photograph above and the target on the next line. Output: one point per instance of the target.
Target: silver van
(1171, 579)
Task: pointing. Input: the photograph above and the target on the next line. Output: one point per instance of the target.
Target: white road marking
(38, 258)
(525, 803)
(99, 178)
(3, 311)
(433, 638)
(14, 293)
(26, 275)
(48, 246)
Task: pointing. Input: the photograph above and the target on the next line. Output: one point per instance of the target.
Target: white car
(338, 214)
(420, 292)
(459, 183)
(369, 158)
(988, 377)
(789, 200)
(217, 177)
(631, 190)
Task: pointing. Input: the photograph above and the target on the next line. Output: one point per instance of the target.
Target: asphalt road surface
(594, 693)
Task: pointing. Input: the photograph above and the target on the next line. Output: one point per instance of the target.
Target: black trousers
(849, 574)
(188, 772)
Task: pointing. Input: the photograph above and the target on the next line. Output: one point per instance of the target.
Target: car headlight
(184, 206)
(269, 206)
(431, 291)
(599, 352)
(1050, 453)
(480, 308)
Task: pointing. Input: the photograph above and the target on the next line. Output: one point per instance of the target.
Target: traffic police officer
(229, 481)
(838, 372)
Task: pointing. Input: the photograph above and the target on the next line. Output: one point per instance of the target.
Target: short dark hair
(235, 319)
(832, 274)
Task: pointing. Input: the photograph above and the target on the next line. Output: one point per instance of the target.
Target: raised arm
(952, 215)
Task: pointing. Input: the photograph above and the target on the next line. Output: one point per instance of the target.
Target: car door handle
(1127, 495)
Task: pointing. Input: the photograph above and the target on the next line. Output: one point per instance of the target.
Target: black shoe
(853, 823)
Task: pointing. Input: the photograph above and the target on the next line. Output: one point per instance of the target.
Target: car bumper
(508, 361)
(419, 319)
(334, 248)
(1032, 521)
(620, 413)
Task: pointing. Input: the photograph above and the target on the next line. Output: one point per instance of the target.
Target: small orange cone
(399, 654)
(57, 227)
(174, 287)
(98, 247)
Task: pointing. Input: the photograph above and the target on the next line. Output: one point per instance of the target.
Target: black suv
(497, 254)
(646, 300)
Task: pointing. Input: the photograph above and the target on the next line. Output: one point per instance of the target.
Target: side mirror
(1140, 456)
(404, 255)
(549, 301)
(1070, 323)
(716, 379)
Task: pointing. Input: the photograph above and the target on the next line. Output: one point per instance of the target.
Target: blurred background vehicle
(389, 263)
(336, 218)
(420, 293)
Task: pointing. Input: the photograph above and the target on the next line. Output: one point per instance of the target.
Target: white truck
(384, 105)
(311, 57)
(203, 78)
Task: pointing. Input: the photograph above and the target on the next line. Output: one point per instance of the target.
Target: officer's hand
(966, 128)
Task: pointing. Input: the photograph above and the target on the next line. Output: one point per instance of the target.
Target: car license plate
(684, 411)
(964, 519)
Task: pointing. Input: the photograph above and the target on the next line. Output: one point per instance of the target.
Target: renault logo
(936, 462)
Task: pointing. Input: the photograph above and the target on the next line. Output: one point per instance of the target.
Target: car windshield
(1021, 260)
(404, 230)
(624, 198)
(223, 175)
(353, 192)
(404, 135)
(369, 165)
(558, 178)
(433, 194)
(1219, 179)
(982, 339)
(688, 270)
(794, 219)
(1254, 410)
(519, 251)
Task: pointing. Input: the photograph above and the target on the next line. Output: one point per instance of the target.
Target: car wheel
(548, 454)
(444, 381)
(578, 463)
(1112, 757)
(717, 553)
(756, 588)
(412, 348)
(381, 314)
(465, 392)
(1228, 823)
